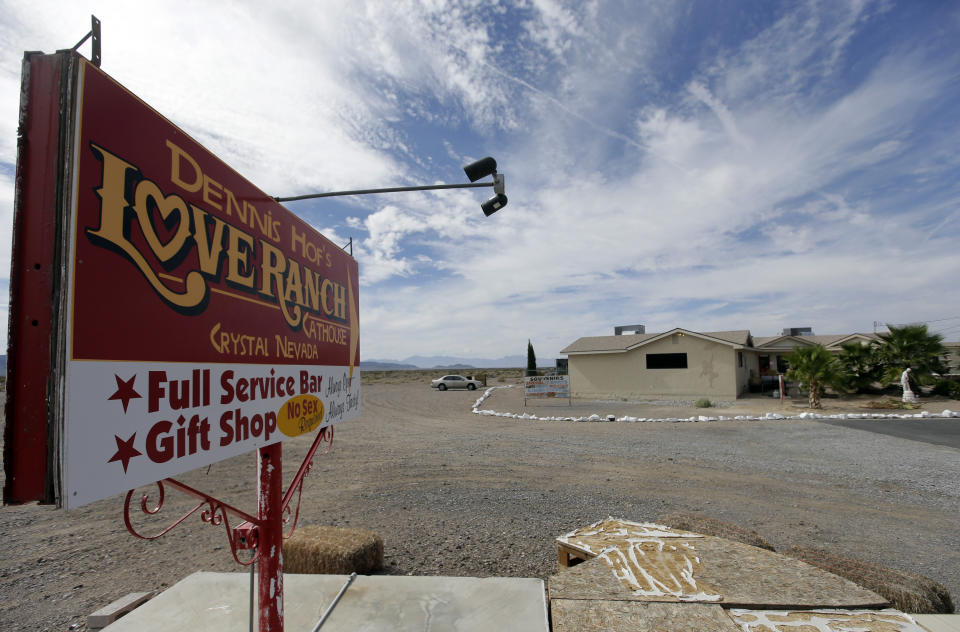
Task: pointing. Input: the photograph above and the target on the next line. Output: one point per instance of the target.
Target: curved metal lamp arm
(431, 187)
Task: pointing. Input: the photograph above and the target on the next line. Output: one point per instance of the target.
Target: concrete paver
(939, 622)
(216, 602)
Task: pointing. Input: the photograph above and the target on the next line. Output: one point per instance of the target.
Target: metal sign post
(276, 520)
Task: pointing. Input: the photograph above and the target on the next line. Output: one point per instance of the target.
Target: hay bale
(714, 527)
(907, 592)
(320, 550)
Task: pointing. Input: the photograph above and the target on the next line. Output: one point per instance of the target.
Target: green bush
(947, 388)
(703, 402)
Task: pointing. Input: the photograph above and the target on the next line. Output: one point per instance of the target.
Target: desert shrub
(703, 402)
(947, 388)
(891, 403)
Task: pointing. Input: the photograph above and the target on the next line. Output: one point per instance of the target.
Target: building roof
(828, 340)
(620, 344)
(736, 338)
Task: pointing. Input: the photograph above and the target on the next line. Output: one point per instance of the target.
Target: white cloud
(6, 221)
(762, 181)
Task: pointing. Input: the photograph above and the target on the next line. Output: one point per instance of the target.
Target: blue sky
(707, 165)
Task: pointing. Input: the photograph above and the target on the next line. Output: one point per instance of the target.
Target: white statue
(908, 395)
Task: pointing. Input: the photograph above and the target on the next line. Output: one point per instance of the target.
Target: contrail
(600, 128)
(945, 221)
(568, 111)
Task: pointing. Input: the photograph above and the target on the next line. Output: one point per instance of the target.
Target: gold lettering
(334, 298)
(158, 231)
(113, 205)
(213, 338)
(208, 253)
(298, 237)
(175, 156)
(237, 343)
(273, 266)
(232, 204)
(340, 302)
(294, 293)
(238, 256)
(165, 205)
(212, 188)
(311, 289)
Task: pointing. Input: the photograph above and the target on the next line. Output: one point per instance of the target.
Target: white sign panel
(546, 387)
(158, 420)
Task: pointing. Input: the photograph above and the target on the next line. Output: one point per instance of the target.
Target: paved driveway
(936, 431)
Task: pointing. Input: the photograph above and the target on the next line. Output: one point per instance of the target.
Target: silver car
(455, 381)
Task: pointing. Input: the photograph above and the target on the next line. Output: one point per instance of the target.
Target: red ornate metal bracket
(325, 435)
(215, 512)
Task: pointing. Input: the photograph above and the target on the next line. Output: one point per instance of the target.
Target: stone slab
(216, 602)
(573, 615)
(824, 620)
(110, 613)
(656, 563)
(725, 572)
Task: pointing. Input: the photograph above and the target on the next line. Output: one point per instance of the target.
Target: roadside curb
(945, 414)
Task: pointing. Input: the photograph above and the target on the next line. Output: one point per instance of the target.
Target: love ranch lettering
(136, 215)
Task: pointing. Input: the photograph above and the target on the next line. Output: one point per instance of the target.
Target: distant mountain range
(444, 362)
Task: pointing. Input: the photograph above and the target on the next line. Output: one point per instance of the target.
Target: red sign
(198, 318)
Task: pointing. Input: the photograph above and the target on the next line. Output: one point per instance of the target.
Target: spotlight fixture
(481, 169)
(494, 204)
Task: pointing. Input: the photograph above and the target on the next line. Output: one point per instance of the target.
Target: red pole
(270, 538)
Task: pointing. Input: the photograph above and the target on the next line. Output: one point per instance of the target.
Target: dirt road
(454, 493)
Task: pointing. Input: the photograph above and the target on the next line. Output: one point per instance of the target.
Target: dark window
(666, 360)
(782, 365)
(764, 363)
(740, 358)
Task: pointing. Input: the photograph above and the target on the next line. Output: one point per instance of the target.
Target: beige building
(678, 364)
(953, 357)
(684, 364)
(772, 351)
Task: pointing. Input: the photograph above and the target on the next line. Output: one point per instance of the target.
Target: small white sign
(546, 387)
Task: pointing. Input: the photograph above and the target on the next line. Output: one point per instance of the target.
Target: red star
(125, 391)
(125, 451)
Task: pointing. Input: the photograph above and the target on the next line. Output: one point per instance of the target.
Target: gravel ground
(454, 493)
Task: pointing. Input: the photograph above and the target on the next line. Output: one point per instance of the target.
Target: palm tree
(913, 347)
(814, 367)
(861, 365)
